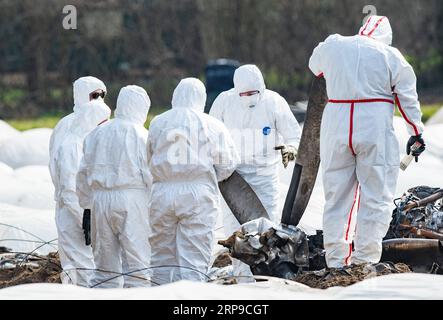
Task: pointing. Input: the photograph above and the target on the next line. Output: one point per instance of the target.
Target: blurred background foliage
(154, 43)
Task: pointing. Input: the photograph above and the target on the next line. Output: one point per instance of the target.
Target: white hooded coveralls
(114, 182)
(188, 153)
(66, 150)
(365, 76)
(257, 124)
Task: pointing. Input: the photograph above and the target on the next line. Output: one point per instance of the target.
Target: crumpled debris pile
(347, 276)
(222, 260)
(17, 269)
(419, 214)
(222, 271)
(270, 250)
(288, 253)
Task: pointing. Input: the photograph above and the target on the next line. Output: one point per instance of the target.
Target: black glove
(87, 226)
(418, 151)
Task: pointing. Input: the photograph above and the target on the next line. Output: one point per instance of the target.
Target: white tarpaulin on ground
(436, 118)
(26, 148)
(29, 187)
(25, 230)
(6, 131)
(434, 140)
(392, 287)
(27, 209)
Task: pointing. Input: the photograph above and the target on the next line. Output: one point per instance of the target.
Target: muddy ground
(44, 269)
(328, 278)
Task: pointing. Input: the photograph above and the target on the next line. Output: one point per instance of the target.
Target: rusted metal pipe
(423, 202)
(421, 232)
(419, 254)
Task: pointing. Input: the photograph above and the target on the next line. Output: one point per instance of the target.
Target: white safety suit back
(114, 182)
(365, 78)
(187, 144)
(188, 153)
(116, 152)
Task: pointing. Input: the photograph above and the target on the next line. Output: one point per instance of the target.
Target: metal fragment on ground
(277, 251)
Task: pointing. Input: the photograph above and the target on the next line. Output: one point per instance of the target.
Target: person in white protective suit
(188, 153)
(114, 183)
(365, 77)
(260, 122)
(65, 155)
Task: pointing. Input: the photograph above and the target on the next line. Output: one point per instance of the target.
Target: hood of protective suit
(190, 94)
(249, 78)
(378, 28)
(133, 105)
(83, 87)
(90, 115)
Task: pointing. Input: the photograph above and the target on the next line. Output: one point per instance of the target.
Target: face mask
(250, 101)
(94, 113)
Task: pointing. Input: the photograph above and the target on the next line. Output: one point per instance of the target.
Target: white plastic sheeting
(312, 218)
(434, 140)
(26, 193)
(26, 148)
(436, 118)
(27, 209)
(392, 287)
(29, 187)
(429, 170)
(6, 131)
(25, 230)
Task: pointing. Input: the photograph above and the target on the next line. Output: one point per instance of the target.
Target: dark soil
(47, 269)
(348, 276)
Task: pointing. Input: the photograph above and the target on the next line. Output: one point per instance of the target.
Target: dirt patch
(348, 276)
(44, 269)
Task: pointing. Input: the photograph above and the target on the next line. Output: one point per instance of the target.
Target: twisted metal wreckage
(415, 237)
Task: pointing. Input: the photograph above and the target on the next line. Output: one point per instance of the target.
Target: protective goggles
(97, 94)
(249, 93)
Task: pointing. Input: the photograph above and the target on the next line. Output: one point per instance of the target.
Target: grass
(44, 121)
(427, 110)
(50, 120)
